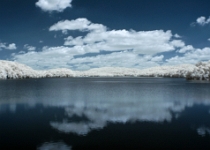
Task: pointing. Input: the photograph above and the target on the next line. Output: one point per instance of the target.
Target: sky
(85, 34)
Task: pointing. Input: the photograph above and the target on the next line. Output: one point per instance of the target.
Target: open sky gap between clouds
(123, 48)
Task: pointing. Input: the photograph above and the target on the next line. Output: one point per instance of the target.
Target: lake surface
(104, 113)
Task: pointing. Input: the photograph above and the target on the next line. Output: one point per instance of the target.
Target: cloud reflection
(54, 146)
(100, 113)
(203, 131)
(100, 103)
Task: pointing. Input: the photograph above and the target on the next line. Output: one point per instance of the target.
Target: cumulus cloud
(116, 59)
(186, 48)
(99, 38)
(49, 57)
(53, 5)
(191, 56)
(178, 43)
(11, 46)
(203, 20)
(142, 42)
(81, 24)
(157, 58)
(29, 48)
(138, 48)
(64, 57)
(177, 36)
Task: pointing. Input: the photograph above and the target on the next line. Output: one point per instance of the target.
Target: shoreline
(199, 71)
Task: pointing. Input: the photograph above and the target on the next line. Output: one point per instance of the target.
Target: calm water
(104, 113)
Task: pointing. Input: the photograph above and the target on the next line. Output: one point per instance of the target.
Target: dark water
(104, 113)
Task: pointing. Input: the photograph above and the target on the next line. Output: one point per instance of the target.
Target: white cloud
(203, 20)
(178, 43)
(49, 57)
(157, 58)
(81, 24)
(63, 57)
(53, 5)
(177, 36)
(99, 38)
(192, 56)
(11, 46)
(116, 59)
(186, 48)
(142, 42)
(126, 48)
(29, 48)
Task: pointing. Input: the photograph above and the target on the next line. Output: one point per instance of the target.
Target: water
(104, 113)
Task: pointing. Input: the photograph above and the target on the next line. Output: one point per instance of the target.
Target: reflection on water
(54, 146)
(75, 109)
(203, 131)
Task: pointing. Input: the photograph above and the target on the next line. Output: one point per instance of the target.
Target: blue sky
(81, 34)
